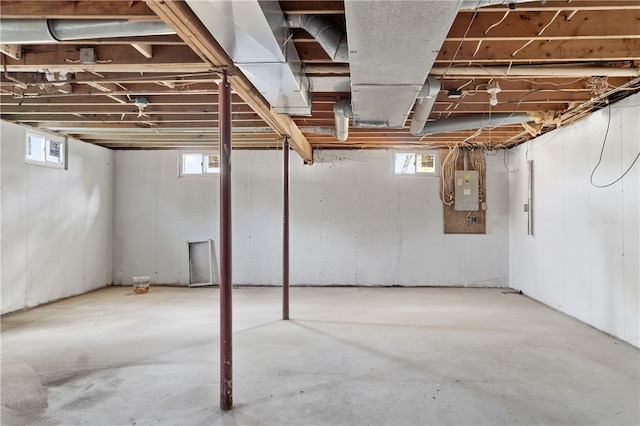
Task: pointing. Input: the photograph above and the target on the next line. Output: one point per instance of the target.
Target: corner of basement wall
(584, 255)
(1, 267)
(55, 223)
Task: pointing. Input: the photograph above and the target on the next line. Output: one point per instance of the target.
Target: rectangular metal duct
(254, 33)
(392, 47)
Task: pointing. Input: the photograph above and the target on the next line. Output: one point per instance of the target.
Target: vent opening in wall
(201, 263)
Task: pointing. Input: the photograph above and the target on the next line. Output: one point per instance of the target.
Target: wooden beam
(238, 143)
(87, 9)
(312, 7)
(177, 95)
(518, 25)
(555, 5)
(329, 69)
(144, 49)
(144, 81)
(14, 51)
(241, 121)
(181, 18)
(154, 136)
(505, 51)
(173, 99)
(540, 51)
(104, 108)
(61, 57)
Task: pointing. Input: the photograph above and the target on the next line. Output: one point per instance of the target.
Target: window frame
(45, 150)
(205, 170)
(416, 173)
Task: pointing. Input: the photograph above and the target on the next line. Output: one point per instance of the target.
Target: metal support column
(226, 379)
(285, 229)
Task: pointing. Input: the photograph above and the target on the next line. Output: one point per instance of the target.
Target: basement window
(199, 164)
(415, 163)
(46, 151)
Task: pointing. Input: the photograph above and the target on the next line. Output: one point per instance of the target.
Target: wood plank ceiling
(556, 60)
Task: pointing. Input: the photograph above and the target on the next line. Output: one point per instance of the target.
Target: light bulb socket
(141, 102)
(493, 89)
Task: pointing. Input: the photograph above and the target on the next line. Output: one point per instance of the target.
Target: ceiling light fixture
(493, 91)
(141, 103)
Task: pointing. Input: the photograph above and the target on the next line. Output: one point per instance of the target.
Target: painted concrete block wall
(583, 257)
(156, 214)
(56, 224)
(352, 222)
(0, 209)
(365, 226)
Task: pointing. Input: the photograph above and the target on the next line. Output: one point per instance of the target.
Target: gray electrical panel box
(466, 190)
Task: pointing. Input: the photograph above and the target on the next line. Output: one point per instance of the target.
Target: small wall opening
(201, 263)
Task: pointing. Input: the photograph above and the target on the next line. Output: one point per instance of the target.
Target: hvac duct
(389, 65)
(342, 112)
(424, 104)
(332, 38)
(255, 35)
(28, 31)
(473, 122)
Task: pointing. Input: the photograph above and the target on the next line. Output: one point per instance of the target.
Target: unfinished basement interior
(310, 212)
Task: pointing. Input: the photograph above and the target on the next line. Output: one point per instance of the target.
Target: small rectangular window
(198, 164)
(45, 151)
(405, 163)
(415, 163)
(426, 163)
(53, 152)
(35, 148)
(191, 164)
(212, 164)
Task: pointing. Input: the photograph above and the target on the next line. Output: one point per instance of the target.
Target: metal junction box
(466, 190)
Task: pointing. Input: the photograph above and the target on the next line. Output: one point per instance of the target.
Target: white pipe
(343, 112)
(424, 104)
(473, 122)
(26, 31)
(492, 72)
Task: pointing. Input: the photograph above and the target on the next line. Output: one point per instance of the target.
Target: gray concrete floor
(349, 356)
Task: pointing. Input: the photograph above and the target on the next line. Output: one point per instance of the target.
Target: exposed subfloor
(349, 356)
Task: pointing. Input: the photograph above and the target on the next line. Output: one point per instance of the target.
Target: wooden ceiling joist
(182, 19)
(587, 24)
(547, 57)
(85, 9)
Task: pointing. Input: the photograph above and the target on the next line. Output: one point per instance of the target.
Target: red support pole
(285, 229)
(226, 378)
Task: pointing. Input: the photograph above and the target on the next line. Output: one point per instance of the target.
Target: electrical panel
(466, 190)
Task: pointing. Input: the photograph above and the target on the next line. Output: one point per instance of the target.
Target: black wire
(604, 142)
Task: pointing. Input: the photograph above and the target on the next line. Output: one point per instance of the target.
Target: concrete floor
(349, 356)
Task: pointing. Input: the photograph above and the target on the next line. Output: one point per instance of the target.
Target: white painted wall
(352, 222)
(1, 210)
(583, 257)
(56, 225)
